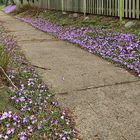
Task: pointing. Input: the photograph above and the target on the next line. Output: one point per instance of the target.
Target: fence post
(84, 7)
(121, 10)
(49, 4)
(62, 5)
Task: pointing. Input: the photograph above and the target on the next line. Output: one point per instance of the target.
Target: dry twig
(8, 78)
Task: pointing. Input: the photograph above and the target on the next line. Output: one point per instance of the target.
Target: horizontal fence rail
(130, 8)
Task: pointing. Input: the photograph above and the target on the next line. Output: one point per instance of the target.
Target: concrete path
(105, 99)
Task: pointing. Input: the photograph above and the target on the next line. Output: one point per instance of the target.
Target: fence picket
(138, 9)
(131, 8)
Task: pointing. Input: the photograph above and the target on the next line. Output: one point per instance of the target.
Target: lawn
(5, 104)
(1, 7)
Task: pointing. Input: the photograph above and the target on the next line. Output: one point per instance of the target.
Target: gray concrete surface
(105, 99)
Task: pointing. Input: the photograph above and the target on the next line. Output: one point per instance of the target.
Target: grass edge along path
(39, 115)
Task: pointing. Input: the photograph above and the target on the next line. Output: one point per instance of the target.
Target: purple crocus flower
(39, 126)
(15, 118)
(56, 122)
(6, 137)
(24, 120)
(10, 131)
(9, 9)
(22, 137)
(0, 136)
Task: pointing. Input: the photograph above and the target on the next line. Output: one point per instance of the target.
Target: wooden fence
(130, 8)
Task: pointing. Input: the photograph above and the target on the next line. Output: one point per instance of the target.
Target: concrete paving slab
(14, 27)
(24, 36)
(107, 113)
(71, 67)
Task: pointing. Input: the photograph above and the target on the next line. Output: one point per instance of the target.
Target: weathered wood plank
(138, 9)
(131, 8)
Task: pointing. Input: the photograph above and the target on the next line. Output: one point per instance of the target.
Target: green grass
(66, 20)
(95, 21)
(5, 104)
(57, 18)
(5, 58)
(2, 6)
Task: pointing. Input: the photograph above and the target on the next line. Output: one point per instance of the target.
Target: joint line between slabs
(109, 85)
(97, 87)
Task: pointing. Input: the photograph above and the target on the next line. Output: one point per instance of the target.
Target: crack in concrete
(101, 86)
(92, 108)
(109, 85)
(36, 66)
(124, 137)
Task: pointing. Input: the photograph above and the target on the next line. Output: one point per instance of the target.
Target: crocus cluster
(11, 124)
(40, 111)
(37, 115)
(9, 9)
(123, 48)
